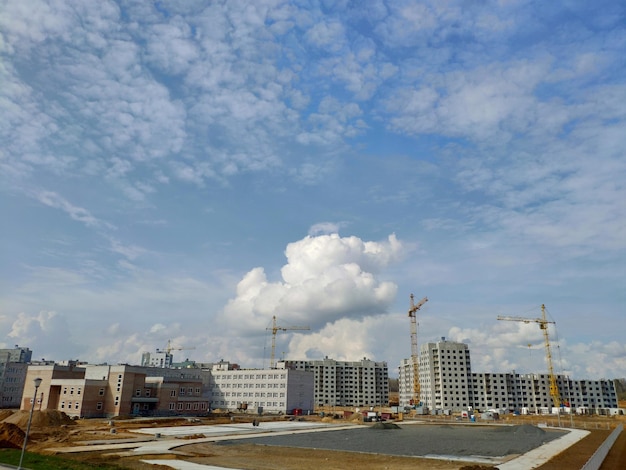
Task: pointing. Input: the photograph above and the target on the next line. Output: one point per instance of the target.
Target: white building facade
(444, 376)
(346, 383)
(266, 390)
(447, 382)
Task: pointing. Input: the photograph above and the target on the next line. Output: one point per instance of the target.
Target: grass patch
(50, 462)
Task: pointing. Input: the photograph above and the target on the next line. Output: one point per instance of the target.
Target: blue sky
(186, 170)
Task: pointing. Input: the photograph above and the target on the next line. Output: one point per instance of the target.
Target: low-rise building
(267, 390)
(114, 390)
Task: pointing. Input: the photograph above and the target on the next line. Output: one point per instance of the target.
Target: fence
(598, 457)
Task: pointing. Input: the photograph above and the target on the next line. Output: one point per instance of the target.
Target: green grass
(49, 462)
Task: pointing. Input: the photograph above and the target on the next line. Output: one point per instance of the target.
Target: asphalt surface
(480, 443)
(467, 442)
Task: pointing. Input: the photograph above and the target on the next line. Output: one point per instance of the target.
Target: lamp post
(37, 382)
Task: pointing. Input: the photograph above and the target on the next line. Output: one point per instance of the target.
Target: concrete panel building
(346, 383)
(444, 376)
(270, 390)
(448, 383)
(13, 366)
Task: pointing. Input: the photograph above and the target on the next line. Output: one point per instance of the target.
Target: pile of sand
(40, 418)
(11, 436)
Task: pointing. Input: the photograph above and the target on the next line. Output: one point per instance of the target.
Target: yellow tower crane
(543, 324)
(275, 328)
(170, 347)
(414, 351)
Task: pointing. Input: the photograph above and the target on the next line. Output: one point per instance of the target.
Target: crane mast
(414, 350)
(543, 324)
(275, 328)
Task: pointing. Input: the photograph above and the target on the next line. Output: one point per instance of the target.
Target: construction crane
(169, 348)
(414, 351)
(543, 324)
(275, 328)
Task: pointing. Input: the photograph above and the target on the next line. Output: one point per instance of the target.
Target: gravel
(420, 440)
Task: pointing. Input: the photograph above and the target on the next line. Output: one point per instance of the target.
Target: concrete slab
(182, 465)
(537, 457)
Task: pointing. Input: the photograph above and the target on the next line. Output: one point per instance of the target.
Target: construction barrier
(595, 461)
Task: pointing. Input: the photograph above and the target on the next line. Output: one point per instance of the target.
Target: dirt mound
(528, 429)
(385, 426)
(40, 418)
(11, 436)
(4, 414)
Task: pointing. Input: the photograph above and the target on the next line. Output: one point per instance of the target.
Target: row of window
(281, 376)
(249, 394)
(249, 385)
(188, 406)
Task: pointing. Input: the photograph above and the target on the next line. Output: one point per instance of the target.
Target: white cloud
(326, 278)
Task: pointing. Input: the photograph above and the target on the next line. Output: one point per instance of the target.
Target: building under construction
(448, 383)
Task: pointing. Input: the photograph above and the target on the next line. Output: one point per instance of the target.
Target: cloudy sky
(186, 170)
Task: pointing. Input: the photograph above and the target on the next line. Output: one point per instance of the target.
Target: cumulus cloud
(327, 277)
(46, 333)
(505, 347)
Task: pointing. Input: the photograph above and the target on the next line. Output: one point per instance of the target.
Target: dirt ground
(54, 431)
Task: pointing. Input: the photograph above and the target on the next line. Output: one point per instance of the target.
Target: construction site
(434, 428)
(245, 441)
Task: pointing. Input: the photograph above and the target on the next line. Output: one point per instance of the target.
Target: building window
(138, 392)
(172, 406)
(99, 405)
(101, 392)
(180, 406)
(172, 393)
(181, 392)
(148, 392)
(62, 405)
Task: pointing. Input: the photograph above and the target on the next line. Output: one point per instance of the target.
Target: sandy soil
(54, 431)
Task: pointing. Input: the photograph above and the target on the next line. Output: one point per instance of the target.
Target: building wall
(107, 391)
(346, 383)
(273, 390)
(13, 375)
(447, 382)
(12, 379)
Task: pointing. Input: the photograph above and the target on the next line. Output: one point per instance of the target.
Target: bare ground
(253, 456)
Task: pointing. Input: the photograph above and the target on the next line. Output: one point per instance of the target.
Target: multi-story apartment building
(268, 390)
(447, 382)
(532, 392)
(444, 376)
(346, 383)
(13, 366)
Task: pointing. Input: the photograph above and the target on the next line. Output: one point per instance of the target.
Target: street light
(30, 418)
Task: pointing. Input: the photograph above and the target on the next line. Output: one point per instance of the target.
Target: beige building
(84, 390)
